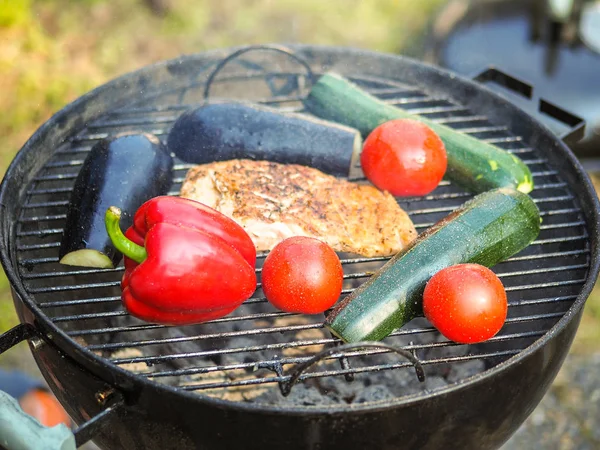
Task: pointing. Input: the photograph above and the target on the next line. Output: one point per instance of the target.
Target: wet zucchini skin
(473, 164)
(123, 171)
(225, 131)
(486, 230)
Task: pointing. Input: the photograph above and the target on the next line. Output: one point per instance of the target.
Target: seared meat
(275, 201)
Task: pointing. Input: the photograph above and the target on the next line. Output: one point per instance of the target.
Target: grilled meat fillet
(275, 201)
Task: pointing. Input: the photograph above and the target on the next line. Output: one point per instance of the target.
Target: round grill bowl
(136, 385)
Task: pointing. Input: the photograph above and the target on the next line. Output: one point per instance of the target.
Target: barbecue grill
(262, 378)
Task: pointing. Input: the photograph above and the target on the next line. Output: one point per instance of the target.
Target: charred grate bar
(253, 346)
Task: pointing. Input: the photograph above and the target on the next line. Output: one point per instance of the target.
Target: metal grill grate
(255, 345)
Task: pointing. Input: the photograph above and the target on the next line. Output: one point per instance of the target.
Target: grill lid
(245, 356)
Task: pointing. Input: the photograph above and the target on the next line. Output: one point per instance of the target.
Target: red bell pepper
(184, 262)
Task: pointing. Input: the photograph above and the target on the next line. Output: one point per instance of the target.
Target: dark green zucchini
(486, 230)
(472, 163)
(224, 131)
(124, 171)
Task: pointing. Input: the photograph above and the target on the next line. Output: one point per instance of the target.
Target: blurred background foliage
(53, 51)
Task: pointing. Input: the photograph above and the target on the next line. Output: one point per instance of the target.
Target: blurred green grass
(53, 51)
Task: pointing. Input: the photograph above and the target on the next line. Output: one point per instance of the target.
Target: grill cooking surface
(245, 355)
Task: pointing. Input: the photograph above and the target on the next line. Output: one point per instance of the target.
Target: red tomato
(404, 157)
(302, 275)
(466, 303)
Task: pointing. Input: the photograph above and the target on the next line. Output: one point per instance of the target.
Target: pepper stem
(119, 240)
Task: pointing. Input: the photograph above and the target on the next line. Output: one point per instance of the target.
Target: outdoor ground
(52, 51)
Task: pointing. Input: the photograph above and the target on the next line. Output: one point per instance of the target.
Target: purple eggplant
(124, 171)
(225, 131)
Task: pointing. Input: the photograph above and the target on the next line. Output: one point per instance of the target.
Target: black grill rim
(13, 185)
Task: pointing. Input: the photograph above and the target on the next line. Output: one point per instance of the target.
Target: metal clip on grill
(219, 384)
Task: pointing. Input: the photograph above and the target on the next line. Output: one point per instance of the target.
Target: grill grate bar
(72, 176)
(349, 261)
(123, 329)
(542, 270)
(349, 354)
(184, 107)
(483, 129)
(173, 118)
(544, 173)
(37, 219)
(557, 185)
(102, 315)
(133, 121)
(32, 262)
(467, 195)
(73, 150)
(226, 351)
(291, 98)
(502, 140)
(433, 197)
(24, 248)
(394, 89)
(38, 261)
(535, 161)
(561, 239)
(563, 298)
(142, 327)
(558, 198)
(423, 111)
(100, 136)
(281, 329)
(59, 164)
(535, 317)
(167, 120)
(120, 268)
(556, 212)
(582, 251)
(49, 191)
(521, 150)
(282, 361)
(87, 301)
(56, 177)
(51, 204)
(553, 226)
(34, 276)
(39, 233)
(98, 315)
(561, 283)
(450, 208)
(556, 226)
(352, 371)
(73, 287)
(460, 119)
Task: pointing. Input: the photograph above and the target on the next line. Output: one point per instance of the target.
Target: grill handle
(521, 87)
(272, 47)
(296, 372)
(20, 431)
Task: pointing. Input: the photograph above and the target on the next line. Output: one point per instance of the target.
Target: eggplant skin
(123, 171)
(226, 131)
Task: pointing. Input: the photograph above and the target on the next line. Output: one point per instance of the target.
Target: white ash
(376, 392)
(247, 360)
